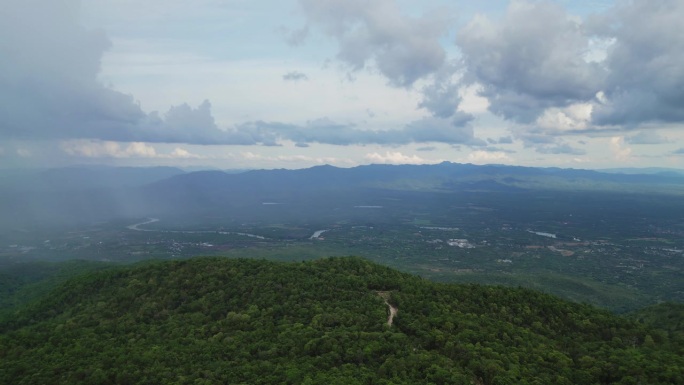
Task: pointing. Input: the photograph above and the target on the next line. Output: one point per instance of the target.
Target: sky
(238, 84)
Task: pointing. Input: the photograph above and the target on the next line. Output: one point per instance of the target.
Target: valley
(403, 274)
(617, 250)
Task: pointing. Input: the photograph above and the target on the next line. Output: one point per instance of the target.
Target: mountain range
(87, 194)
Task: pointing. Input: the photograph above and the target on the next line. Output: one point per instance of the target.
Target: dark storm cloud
(534, 58)
(441, 99)
(646, 75)
(49, 89)
(48, 86)
(50, 63)
(184, 124)
(529, 61)
(646, 137)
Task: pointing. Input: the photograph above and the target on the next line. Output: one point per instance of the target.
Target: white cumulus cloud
(619, 149)
(109, 149)
(396, 157)
(483, 157)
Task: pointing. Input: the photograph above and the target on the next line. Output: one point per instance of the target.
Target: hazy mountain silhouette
(85, 194)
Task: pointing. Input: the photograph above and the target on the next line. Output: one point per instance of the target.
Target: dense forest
(241, 321)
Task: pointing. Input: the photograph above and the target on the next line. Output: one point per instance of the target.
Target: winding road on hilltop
(392, 310)
(384, 294)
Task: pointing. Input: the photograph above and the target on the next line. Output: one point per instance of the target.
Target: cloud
(536, 65)
(109, 149)
(295, 76)
(501, 140)
(140, 150)
(391, 157)
(48, 75)
(618, 148)
(575, 117)
(24, 153)
(254, 157)
(452, 131)
(325, 131)
(481, 156)
(544, 143)
(646, 76)
(562, 148)
(403, 48)
(531, 60)
(426, 148)
(505, 140)
(616, 70)
(532, 139)
(471, 99)
(678, 152)
(498, 149)
(49, 87)
(646, 137)
(185, 124)
(180, 153)
(441, 99)
(295, 37)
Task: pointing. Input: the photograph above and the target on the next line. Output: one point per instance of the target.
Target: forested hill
(209, 321)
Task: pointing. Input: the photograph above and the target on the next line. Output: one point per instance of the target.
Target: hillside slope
(206, 321)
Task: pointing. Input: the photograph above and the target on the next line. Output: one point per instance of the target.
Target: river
(317, 234)
(136, 227)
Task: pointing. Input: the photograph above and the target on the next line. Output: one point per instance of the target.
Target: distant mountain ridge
(381, 176)
(87, 194)
(646, 170)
